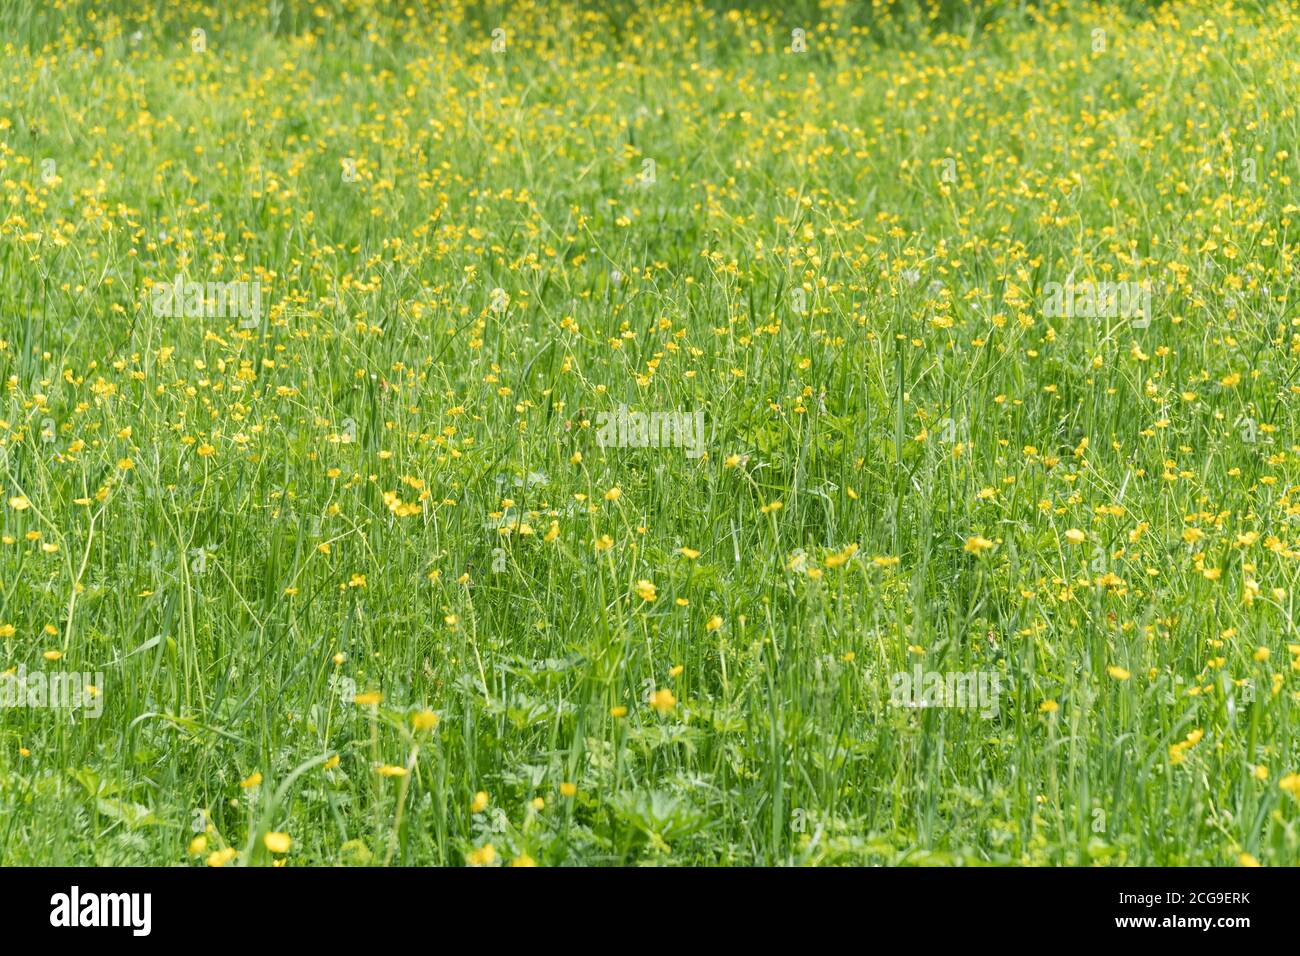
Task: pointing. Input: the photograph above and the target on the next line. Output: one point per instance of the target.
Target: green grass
(910, 401)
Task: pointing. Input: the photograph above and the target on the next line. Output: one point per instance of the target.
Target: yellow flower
(220, 858)
(425, 720)
(1178, 751)
(389, 770)
(568, 789)
(1118, 672)
(537, 803)
(19, 503)
(7, 630)
(1247, 860)
(479, 803)
(840, 558)
(1049, 707)
(676, 670)
(125, 464)
(331, 763)
(646, 590)
(1291, 784)
(277, 842)
(483, 856)
(614, 494)
(977, 543)
(197, 846)
(251, 781)
(523, 859)
(663, 700)
(205, 450)
(689, 553)
(368, 698)
(1075, 536)
(52, 655)
(618, 711)
(713, 623)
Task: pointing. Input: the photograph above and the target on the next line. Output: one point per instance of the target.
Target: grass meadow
(649, 434)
